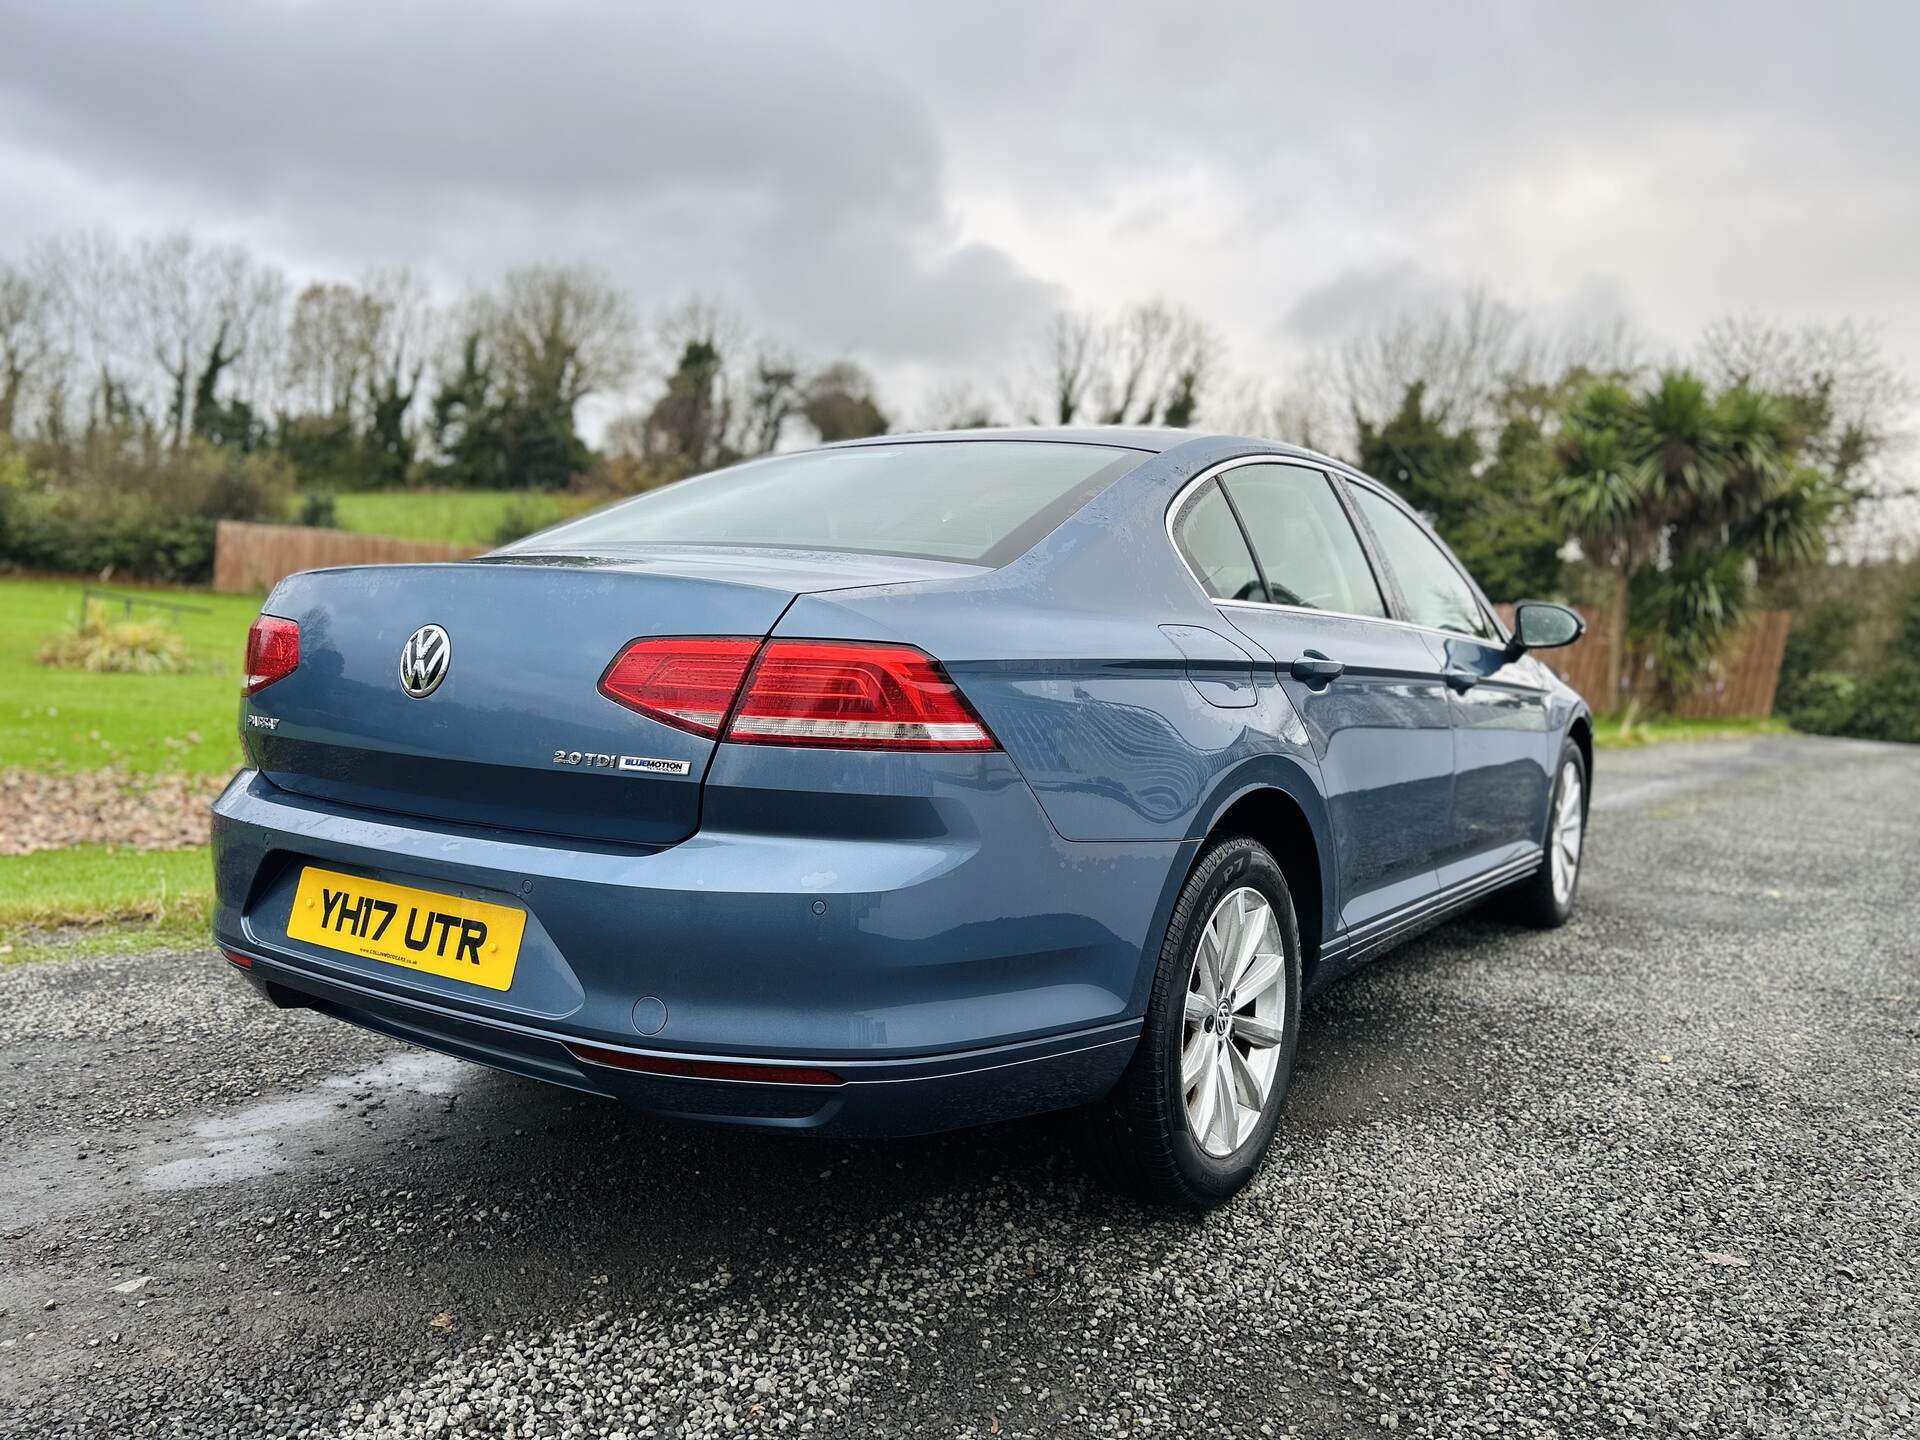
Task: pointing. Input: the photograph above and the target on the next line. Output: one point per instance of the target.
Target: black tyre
(1545, 899)
(1196, 1110)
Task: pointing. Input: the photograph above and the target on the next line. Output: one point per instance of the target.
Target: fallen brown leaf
(48, 810)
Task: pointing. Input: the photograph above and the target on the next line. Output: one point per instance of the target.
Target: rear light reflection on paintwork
(706, 1069)
(273, 652)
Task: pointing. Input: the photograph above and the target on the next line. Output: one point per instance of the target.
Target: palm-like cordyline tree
(1686, 498)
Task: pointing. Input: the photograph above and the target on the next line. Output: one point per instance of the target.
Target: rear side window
(1306, 545)
(1436, 593)
(983, 502)
(1210, 538)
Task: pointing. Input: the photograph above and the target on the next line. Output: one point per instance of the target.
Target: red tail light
(798, 692)
(854, 696)
(273, 652)
(686, 682)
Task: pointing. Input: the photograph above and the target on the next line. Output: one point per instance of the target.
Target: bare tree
(773, 396)
(28, 339)
(87, 274)
(201, 310)
(1071, 341)
(1462, 354)
(564, 331)
(957, 406)
(1145, 366)
(330, 345)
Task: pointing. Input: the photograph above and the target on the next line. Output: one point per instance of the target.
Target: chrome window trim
(1502, 635)
(1186, 492)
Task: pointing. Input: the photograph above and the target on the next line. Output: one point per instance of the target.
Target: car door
(1503, 750)
(1368, 690)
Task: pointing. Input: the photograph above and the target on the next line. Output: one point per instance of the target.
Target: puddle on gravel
(247, 1143)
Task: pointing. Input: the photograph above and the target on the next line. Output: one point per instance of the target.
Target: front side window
(1306, 544)
(1436, 593)
(983, 502)
(1210, 538)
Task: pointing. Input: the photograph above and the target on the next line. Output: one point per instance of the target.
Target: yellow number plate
(466, 940)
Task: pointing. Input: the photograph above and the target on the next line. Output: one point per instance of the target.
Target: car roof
(1152, 439)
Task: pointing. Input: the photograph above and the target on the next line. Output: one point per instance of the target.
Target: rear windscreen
(978, 501)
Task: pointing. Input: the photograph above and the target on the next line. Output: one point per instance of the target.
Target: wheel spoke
(1226, 1115)
(1249, 1086)
(1260, 977)
(1206, 963)
(1253, 925)
(1207, 1097)
(1261, 1034)
(1198, 1008)
(1193, 1058)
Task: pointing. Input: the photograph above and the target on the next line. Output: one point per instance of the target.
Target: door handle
(1461, 680)
(1316, 669)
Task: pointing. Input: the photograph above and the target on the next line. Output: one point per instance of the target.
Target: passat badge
(424, 660)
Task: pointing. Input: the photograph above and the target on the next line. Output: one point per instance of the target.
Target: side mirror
(1540, 625)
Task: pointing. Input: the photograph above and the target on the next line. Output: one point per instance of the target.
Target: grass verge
(95, 899)
(1617, 732)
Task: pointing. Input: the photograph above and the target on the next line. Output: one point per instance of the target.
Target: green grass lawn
(466, 517)
(75, 720)
(86, 883)
(1609, 733)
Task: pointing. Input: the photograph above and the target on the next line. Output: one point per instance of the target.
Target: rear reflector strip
(706, 1069)
(245, 962)
(878, 734)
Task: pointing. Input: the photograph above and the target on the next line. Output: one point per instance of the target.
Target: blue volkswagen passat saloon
(903, 785)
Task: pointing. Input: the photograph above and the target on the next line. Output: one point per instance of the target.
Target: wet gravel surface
(1656, 1173)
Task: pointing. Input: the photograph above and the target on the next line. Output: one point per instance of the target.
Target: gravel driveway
(1656, 1173)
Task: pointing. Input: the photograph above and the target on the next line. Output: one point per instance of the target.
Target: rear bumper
(921, 932)
(873, 1099)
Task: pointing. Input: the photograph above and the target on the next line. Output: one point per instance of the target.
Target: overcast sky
(919, 185)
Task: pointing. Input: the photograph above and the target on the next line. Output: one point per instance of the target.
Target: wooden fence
(1741, 683)
(248, 557)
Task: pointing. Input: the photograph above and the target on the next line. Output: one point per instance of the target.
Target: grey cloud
(1358, 299)
(681, 151)
(839, 169)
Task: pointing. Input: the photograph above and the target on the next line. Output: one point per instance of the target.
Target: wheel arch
(1269, 809)
(1581, 733)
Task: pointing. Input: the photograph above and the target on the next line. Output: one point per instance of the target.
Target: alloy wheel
(1569, 820)
(1236, 1012)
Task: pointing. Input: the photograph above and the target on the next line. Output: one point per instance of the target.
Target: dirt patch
(42, 810)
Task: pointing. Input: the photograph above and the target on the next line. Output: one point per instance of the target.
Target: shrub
(120, 647)
(1889, 706)
(317, 508)
(525, 514)
(119, 506)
